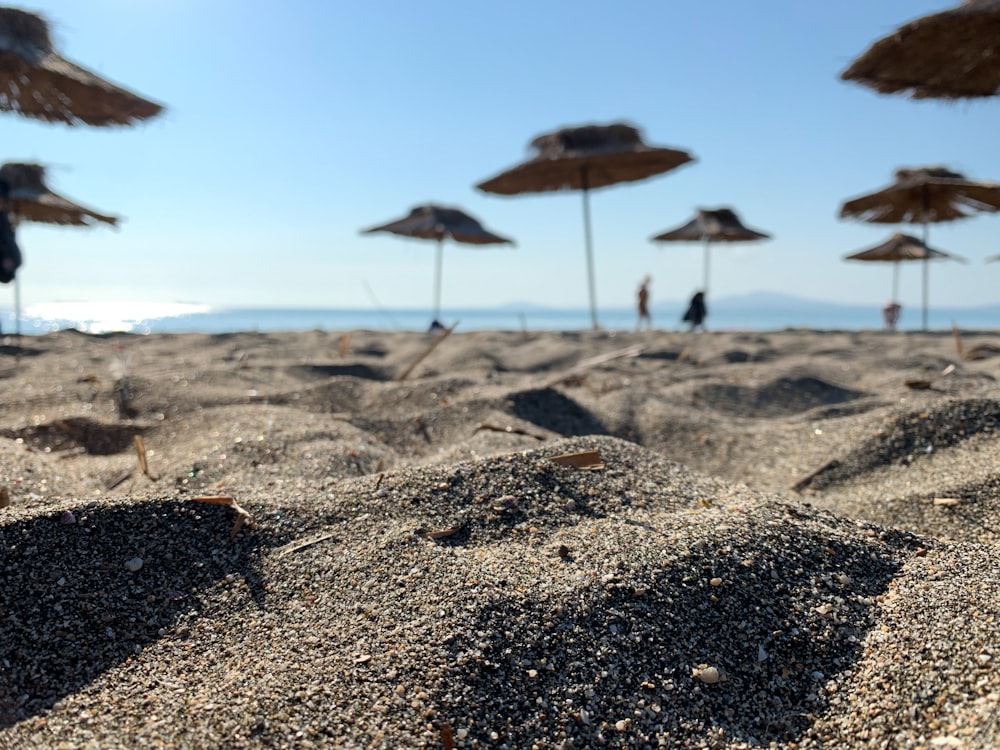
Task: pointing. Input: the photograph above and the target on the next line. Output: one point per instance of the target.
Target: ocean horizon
(754, 312)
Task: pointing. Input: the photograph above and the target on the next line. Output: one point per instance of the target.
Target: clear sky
(292, 125)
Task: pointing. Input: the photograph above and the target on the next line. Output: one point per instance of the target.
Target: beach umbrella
(37, 82)
(30, 199)
(431, 222)
(586, 158)
(712, 225)
(924, 196)
(953, 54)
(901, 248)
(24, 196)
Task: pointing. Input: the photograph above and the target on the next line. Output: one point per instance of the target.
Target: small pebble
(134, 564)
(709, 675)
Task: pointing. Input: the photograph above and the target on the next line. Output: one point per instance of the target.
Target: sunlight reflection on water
(106, 317)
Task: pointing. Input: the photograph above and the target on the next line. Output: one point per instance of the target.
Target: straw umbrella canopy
(37, 82)
(954, 54)
(432, 222)
(586, 158)
(30, 199)
(901, 248)
(924, 196)
(24, 196)
(712, 225)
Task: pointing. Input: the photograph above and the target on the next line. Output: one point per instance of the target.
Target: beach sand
(779, 543)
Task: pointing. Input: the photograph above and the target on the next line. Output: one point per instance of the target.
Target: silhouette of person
(890, 314)
(642, 297)
(697, 311)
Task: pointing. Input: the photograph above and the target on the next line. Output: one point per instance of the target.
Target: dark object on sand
(954, 54)
(433, 222)
(923, 196)
(585, 158)
(35, 81)
(697, 311)
(712, 225)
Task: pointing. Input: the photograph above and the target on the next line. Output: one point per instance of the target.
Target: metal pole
(708, 253)
(437, 280)
(927, 256)
(588, 241)
(17, 305)
(927, 262)
(895, 281)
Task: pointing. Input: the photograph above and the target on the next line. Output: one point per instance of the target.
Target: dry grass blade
(118, 480)
(425, 353)
(140, 452)
(587, 460)
(299, 544)
(214, 499)
(345, 341)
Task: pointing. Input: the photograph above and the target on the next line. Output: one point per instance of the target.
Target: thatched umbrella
(901, 248)
(586, 158)
(30, 199)
(431, 222)
(924, 196)
(37, 82)
(712, 225)
(954, 54)
(24, 196)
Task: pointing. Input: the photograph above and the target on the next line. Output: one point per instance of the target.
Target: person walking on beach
(697, 311)
(890, 314)
(643, 301)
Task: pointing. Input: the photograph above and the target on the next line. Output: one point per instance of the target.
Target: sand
(775, 540)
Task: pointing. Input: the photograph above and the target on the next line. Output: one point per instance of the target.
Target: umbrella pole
(437, 280)
(707, 259)
(927, 261)
(17, 305)
(589, 243)
(895, 281)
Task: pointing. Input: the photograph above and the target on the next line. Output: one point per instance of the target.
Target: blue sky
(291, 126)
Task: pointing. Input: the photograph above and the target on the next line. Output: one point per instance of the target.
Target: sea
(758, 312)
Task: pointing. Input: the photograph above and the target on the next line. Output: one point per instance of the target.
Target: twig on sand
(345, 341)
(118, 480)
(242, 517)
(300, 544)
(423, 355)
(805, 481)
